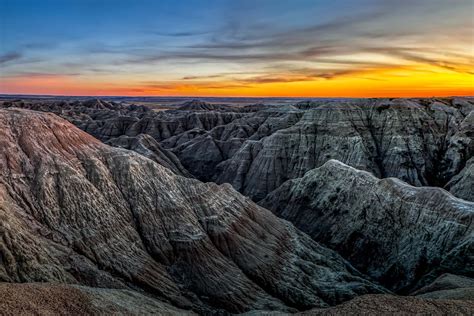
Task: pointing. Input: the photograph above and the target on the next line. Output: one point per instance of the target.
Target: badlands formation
(319, 207)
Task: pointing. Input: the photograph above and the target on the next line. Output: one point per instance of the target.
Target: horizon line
(236, 97)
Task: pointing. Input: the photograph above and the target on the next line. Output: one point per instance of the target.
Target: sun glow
(390, 82)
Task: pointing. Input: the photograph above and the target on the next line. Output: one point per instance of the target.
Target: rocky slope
(107, 120)
(448, 286)
(197, 105)
(74, 210)
(257, 148)
(147, 146)
(400, 235)
(422, 144)
(462, 184)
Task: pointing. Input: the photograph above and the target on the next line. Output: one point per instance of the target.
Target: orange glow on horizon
(392, 82)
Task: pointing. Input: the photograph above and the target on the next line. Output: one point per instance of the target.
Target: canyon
(314, 207)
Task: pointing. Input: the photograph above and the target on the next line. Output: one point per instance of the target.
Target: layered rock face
(107, 120)
(417, 143)
(147, 146)
(462, 183)
(74, 210)
(257, 148)
(400, 235)
(448, 286)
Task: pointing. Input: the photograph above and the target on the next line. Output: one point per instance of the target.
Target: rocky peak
(198, 105)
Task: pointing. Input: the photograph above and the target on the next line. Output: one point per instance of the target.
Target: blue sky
(221, 45)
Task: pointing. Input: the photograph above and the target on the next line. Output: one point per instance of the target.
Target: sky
(301, 48)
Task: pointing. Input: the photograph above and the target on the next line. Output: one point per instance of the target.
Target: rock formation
(400, 235)
(257, 148)
(462, 184)
(448, 286)
(422, 144)
(197, 105)
(77, 211)
(123, 222)
(147, 146)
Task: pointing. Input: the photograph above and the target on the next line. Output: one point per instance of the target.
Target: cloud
(202, 77)
(306, 74)
(157, 86)
(249, 80)
(40, 45)
(8, 57)
(32, 74)
(441, 62)
(181, 34)
(257, 44)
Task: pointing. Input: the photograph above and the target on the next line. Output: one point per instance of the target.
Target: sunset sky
(237, 48)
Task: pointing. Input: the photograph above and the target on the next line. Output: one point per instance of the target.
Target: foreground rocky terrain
(65, 299)
(49, 299)
(379, 192)
(390, 305)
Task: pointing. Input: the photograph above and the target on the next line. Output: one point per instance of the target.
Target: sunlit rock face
(74, 210)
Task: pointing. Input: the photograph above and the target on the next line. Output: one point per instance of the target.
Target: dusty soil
(29, 299)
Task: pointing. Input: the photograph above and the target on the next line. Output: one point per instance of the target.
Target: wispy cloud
(256, 44)
(9, 57)
(32, 74)
(180, 34)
